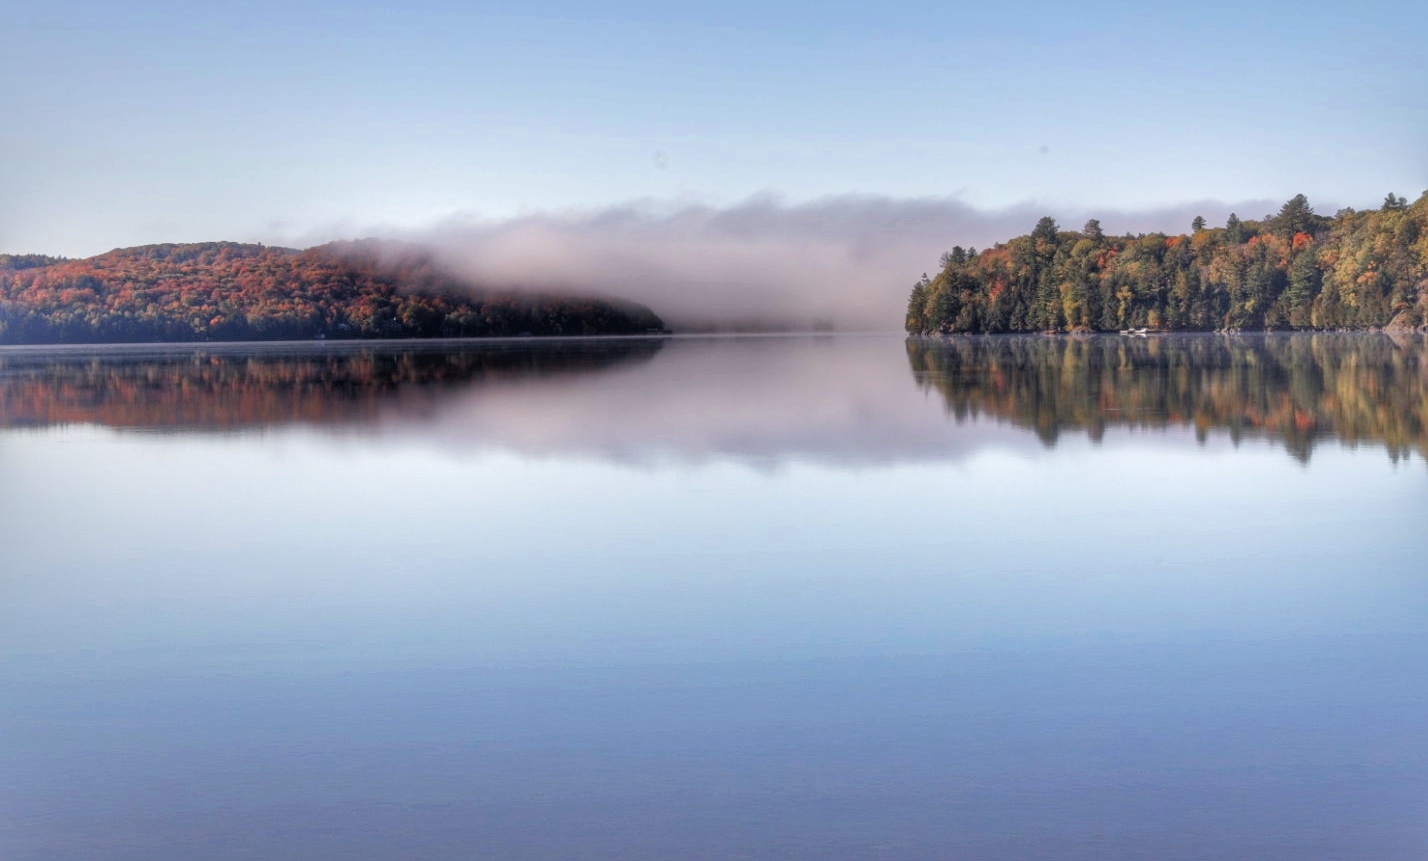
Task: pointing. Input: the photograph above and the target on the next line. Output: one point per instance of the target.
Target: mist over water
(847, 261)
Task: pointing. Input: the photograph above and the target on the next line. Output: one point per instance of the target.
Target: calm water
(747, 598)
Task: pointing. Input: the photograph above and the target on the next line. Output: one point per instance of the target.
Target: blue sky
(132, 122)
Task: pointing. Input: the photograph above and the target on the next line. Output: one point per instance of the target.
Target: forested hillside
(225, 291)
(1293, 270)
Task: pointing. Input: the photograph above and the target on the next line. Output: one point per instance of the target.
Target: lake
(819, 597)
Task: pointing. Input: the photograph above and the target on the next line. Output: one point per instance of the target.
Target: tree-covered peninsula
(1293, 270)
(226, 291)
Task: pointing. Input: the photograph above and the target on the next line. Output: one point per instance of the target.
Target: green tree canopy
(1296, 269)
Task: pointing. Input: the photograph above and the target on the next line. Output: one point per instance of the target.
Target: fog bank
(849, 261)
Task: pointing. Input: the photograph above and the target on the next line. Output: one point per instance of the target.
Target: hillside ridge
(232, 291)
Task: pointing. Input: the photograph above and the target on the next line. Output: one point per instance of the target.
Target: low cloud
(848, 260)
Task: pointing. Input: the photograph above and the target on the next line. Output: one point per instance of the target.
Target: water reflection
(1293, 389)
(767, 400)
(295, 627)
(230, 387)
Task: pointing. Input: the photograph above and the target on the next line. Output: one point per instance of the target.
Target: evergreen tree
(1234, 230)
(1045, 230)
(1296, 216)
(917, 322)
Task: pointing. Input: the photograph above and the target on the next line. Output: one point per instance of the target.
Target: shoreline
(1160, 333)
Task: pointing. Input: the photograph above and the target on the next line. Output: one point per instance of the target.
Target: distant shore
(229, 291)
(1295, 270)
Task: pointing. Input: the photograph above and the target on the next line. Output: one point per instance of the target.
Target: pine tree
(1234, 230)
(1296, 216)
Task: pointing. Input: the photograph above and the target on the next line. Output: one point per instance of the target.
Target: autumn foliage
(225, 291)
(1293, 270)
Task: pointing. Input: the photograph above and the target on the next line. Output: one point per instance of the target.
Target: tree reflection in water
(218, 388)
(1294, 389)
(840, 399)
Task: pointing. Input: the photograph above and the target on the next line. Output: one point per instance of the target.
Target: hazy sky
(296, 121)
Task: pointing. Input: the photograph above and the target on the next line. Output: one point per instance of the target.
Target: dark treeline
(225, 291)
(217, 389)
(1295, 389)
(1293, 270)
